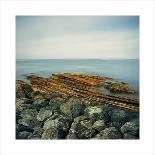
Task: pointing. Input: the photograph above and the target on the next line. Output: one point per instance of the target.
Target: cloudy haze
(101, 37)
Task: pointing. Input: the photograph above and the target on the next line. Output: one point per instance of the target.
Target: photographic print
(77, 77)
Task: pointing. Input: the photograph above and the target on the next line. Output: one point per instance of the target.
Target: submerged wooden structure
(81, 85)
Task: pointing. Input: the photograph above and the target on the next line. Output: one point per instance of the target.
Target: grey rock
(109, 133)
(24, 135)
(82, 128)
(20, 128)
(28, 117)
(24, 122)
(51, 133)
(40, 103)
(22, 104)
(95, 113)
(99, 125)
(80, 118)
(129, 136)
(61, 123)
(76, 121)
(57, 126)
(58, 100)
(29, 114)
(71, 136)
(73, 107)
(116, 124)
(86, 123)
(23, 101)
(131, 127)
(55, 103)
(87, 134)
(43, 114)
(37, 133)
(118, 115)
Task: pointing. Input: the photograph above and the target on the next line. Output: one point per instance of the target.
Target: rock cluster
(118, 87)
(53, 116)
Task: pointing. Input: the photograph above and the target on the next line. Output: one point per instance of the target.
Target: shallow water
(122, 70)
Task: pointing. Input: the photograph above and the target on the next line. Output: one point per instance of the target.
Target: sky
(73, 37)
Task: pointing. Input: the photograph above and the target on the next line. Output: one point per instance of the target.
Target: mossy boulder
(109, 133)
(44, 113)
(55, 103)
(96, 113)
(99, 125)
(73, 107)
(129, 136)
(40, 103)
(82, 128)
(57, 126)
(118, 117)
(51, 133)
(24, 135)
(131, 127)
(28, 118)
(23, 104)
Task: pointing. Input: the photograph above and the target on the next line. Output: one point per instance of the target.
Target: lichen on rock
(73, 107)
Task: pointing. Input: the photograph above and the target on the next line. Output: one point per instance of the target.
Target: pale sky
(58, 37)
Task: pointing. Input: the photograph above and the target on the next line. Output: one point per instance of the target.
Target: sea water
(126, 70)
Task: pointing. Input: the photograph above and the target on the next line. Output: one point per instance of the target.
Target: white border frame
(8, 144)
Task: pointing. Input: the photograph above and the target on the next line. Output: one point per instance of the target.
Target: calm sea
(123, 70)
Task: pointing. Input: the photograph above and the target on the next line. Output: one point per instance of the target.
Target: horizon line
(77, 58)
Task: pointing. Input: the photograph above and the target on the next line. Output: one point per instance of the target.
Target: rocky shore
(43, 112)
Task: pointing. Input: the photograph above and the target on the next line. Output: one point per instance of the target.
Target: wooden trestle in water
(81, 85)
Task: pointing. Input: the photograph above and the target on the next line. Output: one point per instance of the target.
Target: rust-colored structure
(81, 85)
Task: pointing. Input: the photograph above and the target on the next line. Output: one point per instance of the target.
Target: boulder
(20, 128)
(82, 128)
(129, 136)
(131, 127)
(24, 135)
(61, 122)
(99, 125)
(118, 117)
(52, 133)
(87, 134)
(29, 114)
(71, 135)
(109, 133)
(56, 126)
(37, 132)
(76, 121)
(86, 123)
(96, 113)
(73, 107)
(44, 113)
(55, 103)
(40, 103)
(24, 122)
(28, 118)
(22, 104)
